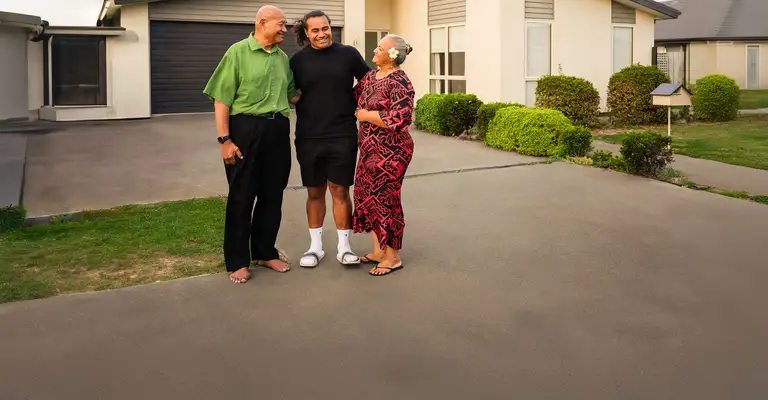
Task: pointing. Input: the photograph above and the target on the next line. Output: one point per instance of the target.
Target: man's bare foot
(277, 265)
(240, 276)
(386, 267)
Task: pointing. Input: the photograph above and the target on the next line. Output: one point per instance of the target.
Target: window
(372, 39)
(447, 60)
(538, 56)
(79, 71)
(622, 47)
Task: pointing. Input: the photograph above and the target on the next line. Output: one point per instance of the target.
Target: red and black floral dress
(385, 154)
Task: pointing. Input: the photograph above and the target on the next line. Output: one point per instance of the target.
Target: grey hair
(403, 48)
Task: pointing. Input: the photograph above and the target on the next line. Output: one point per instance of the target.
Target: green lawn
(742, 142)
(113, 248)
(753, 99)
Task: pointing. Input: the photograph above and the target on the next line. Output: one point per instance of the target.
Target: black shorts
(327, 160)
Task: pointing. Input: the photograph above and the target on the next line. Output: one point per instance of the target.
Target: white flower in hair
(393, 53)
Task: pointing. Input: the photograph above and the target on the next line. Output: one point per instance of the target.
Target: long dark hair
(300, 26)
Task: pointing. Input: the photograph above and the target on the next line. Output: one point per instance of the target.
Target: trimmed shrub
(602, 159)
(426, 113)
(501, 130)
(446, 114)
(716, 99)
(576, 141)
(629, 96)
(646, 153)
(459, 112)
(486, 112)
(12, 217)
(538, 131)
(575, 97)
(532, 131)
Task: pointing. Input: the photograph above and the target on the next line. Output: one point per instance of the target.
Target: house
(722, 37)
(154, 56)
(16, 31)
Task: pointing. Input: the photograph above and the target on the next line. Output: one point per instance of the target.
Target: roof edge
(715, 39)
(24, 20)
(661, 9)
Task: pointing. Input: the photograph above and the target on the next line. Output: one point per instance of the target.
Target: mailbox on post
(671, 94)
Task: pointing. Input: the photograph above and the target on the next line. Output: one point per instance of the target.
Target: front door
(753, 67)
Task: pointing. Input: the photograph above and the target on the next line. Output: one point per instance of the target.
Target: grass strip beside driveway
(753, 99)
(742, 142)
(114, 248)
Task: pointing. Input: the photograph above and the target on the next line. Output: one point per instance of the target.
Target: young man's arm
(359, 66)
(294, 83)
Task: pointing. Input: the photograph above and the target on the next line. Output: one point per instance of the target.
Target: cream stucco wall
(495, 61)
(725, 59)
(378, 15)
(764, 65)
(353, 33)
(13, 73)
(409, 20)
(583, 41)
(128, 75)
(35, 71)
(128, 65)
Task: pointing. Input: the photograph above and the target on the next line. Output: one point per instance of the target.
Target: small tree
(575, 97)
(716, 99)
(629, 95)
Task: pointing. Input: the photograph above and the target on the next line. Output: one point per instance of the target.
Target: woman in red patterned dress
(385, 104)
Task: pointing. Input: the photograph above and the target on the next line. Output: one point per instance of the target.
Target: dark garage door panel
(185, 54)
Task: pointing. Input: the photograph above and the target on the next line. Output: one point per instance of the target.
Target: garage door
(185, 54)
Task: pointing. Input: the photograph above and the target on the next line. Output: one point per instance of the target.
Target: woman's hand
(360, 114)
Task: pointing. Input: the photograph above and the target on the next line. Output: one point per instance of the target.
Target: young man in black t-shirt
(326, 130)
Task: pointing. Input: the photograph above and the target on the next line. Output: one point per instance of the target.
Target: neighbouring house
(154, 57)
(18, 59)
(720, 37)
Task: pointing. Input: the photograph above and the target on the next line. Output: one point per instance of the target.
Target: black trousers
(262, 175)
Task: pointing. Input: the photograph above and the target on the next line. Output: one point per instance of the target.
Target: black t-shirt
(326, 79)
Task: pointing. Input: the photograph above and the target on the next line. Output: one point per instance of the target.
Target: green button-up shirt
(253, 80)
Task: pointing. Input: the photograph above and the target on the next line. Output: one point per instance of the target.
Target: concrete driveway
(532, 282)
(107, 164)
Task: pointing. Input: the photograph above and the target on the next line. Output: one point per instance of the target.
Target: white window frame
(380, 33)
(746, 62)
(445, 77)
(613, 44)
(531, 78)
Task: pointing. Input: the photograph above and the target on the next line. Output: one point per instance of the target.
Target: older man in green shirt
(251, 89)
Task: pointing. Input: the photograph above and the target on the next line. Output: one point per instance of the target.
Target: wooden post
(669, 124)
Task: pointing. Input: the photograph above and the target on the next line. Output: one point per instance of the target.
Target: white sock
(344, 241)
(316, 237)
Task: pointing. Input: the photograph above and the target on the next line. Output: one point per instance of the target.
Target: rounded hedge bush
(446, 114)
(629, 95)
(486, 112)
(716, 99)
(529, 131)
(575, 97)
(426, 113)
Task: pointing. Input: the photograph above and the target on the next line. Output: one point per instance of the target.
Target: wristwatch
(222, 139)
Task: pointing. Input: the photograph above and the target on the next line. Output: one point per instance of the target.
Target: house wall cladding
(447, 11)
(623, 14)
(240, 11)
(540, 9)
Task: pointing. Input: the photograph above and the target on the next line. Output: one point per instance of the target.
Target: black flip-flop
(366, 260)
(389, 270)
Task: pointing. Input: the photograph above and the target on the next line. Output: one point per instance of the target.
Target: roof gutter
(653, 7)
